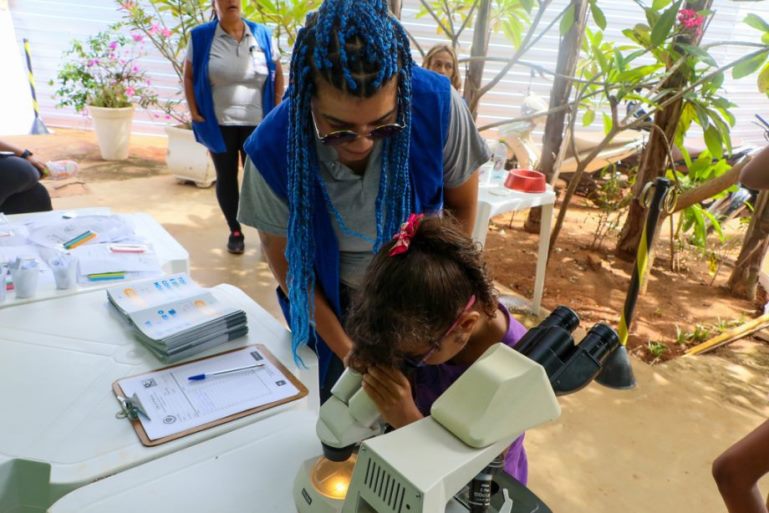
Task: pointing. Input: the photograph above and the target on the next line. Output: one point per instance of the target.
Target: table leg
(482, 222)
(544, 247)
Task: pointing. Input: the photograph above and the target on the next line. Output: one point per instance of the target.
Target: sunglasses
(338, 137)
(421, 361)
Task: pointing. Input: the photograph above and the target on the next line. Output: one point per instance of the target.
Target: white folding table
(498, 199)
(58, 360)
(172, 255)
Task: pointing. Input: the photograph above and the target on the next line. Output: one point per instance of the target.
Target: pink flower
(90, 63)
(112, 45)
(154, 29)
(127, 5)
(135, 69)
(130, 91)
(691, 21)
(166, 32)
(138, 37)
(167, 116)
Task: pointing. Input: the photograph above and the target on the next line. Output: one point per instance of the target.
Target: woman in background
(232, 79)
(442, 60)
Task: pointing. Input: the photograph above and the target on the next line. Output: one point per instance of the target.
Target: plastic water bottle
(499, 159)
(61, 169)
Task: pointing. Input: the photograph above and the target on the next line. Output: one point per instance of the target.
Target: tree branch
(435, 17)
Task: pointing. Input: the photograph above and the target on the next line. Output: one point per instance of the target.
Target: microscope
(444, 463)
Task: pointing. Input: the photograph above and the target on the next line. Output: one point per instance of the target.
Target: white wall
(51, 24)
(15, 99)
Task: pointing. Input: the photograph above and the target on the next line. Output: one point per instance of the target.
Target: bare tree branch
(435, 17)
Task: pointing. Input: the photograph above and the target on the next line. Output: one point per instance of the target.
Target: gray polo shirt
(354, 196)
(237, 72)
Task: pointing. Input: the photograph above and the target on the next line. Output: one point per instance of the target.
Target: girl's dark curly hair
(413, 298)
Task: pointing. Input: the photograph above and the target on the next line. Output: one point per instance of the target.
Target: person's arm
(738, 470)
(755, 174)
(326, 323)
(19, 152)
(463, 153)
(280, 85)
(189, 93)
(462, 202)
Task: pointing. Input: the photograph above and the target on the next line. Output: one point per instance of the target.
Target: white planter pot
(187, 159)
(113, 130)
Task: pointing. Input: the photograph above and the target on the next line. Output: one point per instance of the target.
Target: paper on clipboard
(176, 406)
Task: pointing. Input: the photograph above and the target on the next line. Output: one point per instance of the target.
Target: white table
(251, 469)
(58, 360)
(172, 255)
(498, 199)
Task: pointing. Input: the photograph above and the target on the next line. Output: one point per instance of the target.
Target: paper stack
(175, 318)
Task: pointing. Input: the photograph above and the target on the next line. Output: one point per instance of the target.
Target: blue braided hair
(357, 47)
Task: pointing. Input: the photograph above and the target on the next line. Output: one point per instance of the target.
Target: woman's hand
(39, 166)
(390, 390)
(197, 118)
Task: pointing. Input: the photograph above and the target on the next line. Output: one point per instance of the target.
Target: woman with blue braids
(363, 138)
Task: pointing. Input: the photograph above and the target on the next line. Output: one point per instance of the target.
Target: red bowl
(525, 180)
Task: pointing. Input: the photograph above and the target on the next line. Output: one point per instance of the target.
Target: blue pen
(201, 377)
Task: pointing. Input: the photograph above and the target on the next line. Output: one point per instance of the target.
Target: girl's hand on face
(390, 390)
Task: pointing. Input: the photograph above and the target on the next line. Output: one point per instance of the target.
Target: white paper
(175, 404)
(99, 258)
(107, 229)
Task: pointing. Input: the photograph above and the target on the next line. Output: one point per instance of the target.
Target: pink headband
(405, 234)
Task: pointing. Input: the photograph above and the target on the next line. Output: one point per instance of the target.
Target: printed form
(174, 403)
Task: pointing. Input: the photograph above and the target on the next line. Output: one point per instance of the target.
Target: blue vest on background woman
(267, 148)
(208, 133)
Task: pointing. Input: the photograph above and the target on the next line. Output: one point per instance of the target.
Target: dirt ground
(648, 449)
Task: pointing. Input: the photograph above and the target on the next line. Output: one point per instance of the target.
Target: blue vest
(208, 133)
(267, 147)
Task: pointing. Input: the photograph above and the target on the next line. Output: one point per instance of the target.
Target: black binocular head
(569, 366)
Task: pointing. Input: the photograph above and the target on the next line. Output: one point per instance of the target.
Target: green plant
(656, 349)
(166, 25)
(103, 71)
(285, 16)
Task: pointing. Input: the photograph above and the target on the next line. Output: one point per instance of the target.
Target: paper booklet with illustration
(175, 318)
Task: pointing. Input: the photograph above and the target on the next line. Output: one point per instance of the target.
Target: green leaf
(607, 123)
(598, 15)
(763, 80)
(588, 117)
(568, 20)
(756, 22)
(714, 142)
(749, 66)
(664, 24)
(701, 54)
(716, 225)
(660, 4)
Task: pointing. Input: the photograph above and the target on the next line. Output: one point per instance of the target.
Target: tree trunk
(395, 7)
(656, 153)
(481, 34)
(568, 56)
(744, 279)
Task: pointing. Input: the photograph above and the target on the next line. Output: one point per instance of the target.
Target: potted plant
(166, 24)
(102, 74)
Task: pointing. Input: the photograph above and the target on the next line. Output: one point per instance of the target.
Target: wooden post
(396, 6)
(568, 57)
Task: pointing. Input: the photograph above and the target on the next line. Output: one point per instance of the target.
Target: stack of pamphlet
(175, 318)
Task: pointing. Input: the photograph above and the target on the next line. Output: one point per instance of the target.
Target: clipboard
(132, 411)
